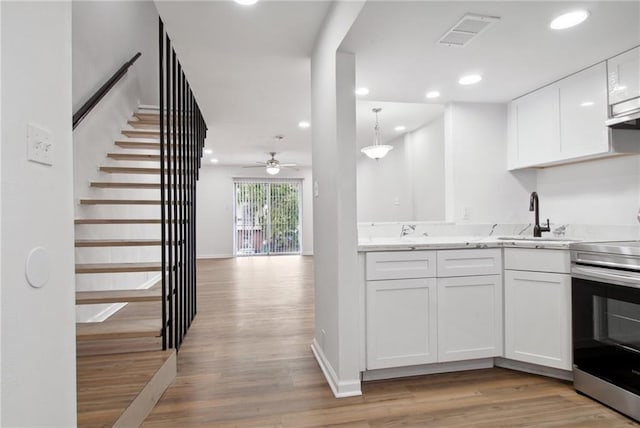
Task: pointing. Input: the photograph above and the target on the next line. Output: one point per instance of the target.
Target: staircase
(120, 224)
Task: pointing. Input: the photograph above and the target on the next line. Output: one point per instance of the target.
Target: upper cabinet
(563, 122)
(624, 81)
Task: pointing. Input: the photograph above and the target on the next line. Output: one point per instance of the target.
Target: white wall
(408, 183)
(605, 191)
(215, 207)
(99, 49)
(38, 325)
(105, 35)
(426, 156)
(478, 187)
(333, 109)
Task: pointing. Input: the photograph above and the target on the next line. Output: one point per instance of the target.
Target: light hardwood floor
(246, 362)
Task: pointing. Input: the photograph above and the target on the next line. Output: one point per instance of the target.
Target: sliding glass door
(267, 217)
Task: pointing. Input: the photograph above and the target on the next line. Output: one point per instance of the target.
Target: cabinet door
(469, 317)
(537, 127)
(583, 112)
(538, 318)
(624, 80)
(401, 322)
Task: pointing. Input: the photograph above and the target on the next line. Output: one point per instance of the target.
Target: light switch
(39, 145)
(396, 201)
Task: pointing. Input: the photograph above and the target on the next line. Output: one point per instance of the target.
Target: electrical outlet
(396, 201)
(39, 145)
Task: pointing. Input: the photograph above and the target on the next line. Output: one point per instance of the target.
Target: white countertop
(459, 242)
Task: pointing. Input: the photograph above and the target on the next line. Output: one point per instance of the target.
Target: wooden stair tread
(120, 329)
(143, 145)
(117, 242)
(141, 133)
(117, 296)
(118, 221)
(124, 185)
(129, 170)
(134, 157)
(118, 267)
(146, 116)
(119, 202)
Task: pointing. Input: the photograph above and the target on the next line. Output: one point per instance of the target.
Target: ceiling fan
(273, 165)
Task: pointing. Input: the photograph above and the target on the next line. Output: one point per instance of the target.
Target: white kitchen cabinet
(537, 127)
(400, 265)
(537, 324)
(624, 81)
(401, 317)
(563, 122)
(469, 317)
(469, 262)
(583, 112)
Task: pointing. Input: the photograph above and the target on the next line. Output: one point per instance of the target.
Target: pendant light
(377, 150)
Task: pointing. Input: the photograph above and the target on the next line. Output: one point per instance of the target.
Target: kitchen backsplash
(588, 232)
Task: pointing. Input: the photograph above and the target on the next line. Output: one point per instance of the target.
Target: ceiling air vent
(467, 29)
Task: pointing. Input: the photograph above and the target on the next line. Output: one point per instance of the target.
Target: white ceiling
(398, 59)
(249, 66)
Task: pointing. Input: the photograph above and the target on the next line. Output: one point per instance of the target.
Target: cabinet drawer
(558, 261)
(469, 262)
(400, 265)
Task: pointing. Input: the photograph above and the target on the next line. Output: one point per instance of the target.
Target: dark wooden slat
(118, 202)
(124, 185)
(117, 221)
(118, 296)
(118, 267)
(142, 145)
(84, 243)
(118, 329)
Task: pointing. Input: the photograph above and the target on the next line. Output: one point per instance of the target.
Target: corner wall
(333, 108)
(479, 189)
(38, 324)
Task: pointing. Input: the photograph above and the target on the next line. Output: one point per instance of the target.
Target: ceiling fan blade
(290, 167)
(289, 164)
(254, 166)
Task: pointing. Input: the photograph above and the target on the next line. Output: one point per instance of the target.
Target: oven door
(606, 326)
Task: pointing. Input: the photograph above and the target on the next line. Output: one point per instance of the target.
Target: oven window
(617, 323)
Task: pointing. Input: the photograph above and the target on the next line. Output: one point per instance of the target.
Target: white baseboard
(534, 369)
(340, 389)
(214, 256)
(307, 253)
(425, 369)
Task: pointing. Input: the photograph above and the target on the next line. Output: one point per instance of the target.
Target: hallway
(246, 361)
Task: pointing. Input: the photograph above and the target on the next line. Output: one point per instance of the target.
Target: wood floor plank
(246, 362)
(118, 330)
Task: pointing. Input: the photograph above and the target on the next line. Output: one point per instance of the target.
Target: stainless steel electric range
(606, 323)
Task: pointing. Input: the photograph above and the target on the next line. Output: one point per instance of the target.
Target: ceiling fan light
(273, 169)
(376, 151)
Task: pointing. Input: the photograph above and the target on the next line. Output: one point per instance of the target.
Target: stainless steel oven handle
(606, 275)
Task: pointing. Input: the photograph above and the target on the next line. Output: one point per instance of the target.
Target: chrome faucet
(407, 229)
(534, 205)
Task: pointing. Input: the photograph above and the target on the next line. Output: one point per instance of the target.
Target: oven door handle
(606, 275)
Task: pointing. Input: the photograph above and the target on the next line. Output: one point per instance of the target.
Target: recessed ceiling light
(569, 20)
(433, 94)
(246, 2)
(587, 104)
(304, 124)
(362, 91)
(208, 151)
(400, 128)
(470, 79)
(213, 160)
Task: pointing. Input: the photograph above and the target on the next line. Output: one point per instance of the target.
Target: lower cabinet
(401, 322)
(538, 318)
(469, 317)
